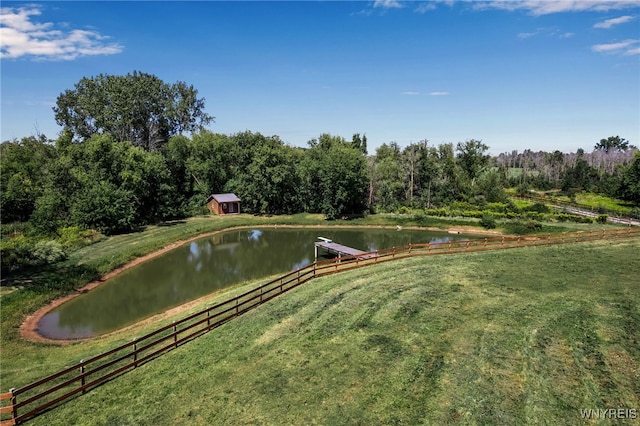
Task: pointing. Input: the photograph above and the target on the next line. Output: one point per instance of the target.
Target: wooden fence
(25, 402)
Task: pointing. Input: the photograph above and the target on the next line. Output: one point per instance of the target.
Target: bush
(488, 222)
(538, 208)
(47, 252)
(21, 252)
(15, 253)
(522, 228)
(602, 218)
(437, 212)
(73, 236)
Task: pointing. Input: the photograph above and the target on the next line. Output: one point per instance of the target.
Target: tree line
(115, 186)
(135, 151)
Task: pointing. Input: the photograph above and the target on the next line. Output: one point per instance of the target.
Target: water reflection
(202, 267)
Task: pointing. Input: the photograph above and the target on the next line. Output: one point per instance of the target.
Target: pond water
(204, 266)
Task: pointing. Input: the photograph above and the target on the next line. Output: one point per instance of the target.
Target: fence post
(82, 381)
(14, 410)
(135, 352)
(208, 318)
(175, 334)
(236, 306)
(429, 247)
(485, 242)
(261, 290)
(409, 248)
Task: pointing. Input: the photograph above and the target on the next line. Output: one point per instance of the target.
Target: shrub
(602, 218)
(15, 253)
(47, 252)
(501, 207)
(522, 228)
(488, 221)
(437, 212)
(21, 252)
(539, 208)
(73, 236)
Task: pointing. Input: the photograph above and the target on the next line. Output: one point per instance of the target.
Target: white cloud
(548, 32)
(614, 21)
(425, 7)
(387, 4)
(410, 93)
(626, 47)
(546, 7)
(20, 36)
(439, 94)
(526, 35)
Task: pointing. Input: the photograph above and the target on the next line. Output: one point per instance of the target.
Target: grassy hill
(515, 337)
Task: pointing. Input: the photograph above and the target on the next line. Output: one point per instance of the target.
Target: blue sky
(536, 74)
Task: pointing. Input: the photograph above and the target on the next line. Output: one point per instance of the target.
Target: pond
(204, 266)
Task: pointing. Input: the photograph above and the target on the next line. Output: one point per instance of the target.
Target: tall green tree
(452, 185)
(630, 188)
(211, 164)
(24, 166)
(269, 184)
(359, 143)
(473, 157)
(106, 185)
(333, 178)
(390, 187)
(138, 107)
(612, 144)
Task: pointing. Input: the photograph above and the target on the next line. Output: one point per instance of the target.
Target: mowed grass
(526, 336)
(599, 201)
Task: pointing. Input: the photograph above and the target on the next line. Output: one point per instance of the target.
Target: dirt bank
(29, 328)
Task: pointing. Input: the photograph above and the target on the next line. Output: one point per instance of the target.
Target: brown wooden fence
(23, 403)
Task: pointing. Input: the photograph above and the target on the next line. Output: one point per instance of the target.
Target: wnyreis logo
(609, 413)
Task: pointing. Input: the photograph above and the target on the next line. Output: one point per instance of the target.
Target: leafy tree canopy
(139, 108)
(612, 144)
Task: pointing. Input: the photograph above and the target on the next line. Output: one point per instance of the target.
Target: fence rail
(49, 391)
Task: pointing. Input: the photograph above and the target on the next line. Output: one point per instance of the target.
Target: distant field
(502, 338)
(596, 200)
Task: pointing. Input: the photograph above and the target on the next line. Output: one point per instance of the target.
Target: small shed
(224, 203)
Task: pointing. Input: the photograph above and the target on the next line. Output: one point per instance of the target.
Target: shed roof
(225, 198)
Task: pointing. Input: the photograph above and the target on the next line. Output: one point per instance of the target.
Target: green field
(527, 336)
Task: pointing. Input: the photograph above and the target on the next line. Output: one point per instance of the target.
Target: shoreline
(29, 327)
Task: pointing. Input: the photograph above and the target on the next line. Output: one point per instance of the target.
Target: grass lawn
(596, 201)
(527, 336)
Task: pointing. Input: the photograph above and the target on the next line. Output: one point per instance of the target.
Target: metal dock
(341, 250)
